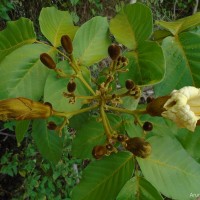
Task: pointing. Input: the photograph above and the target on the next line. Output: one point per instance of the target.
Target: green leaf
(182, 62)
(159, 35)
(48, 142)
(21, 129)
(91, 41)
(77, 121)
(181, 25)
(160, 125)
(54, 88)
(138, 188)
(131, 128)
(170, 168)
(22, 72)
(146, 64)
(90, 134)
(55, 23)
(4, 15)
(190, 142)
(16, 34)
(104, 178)
(128, 102)
(132, 25)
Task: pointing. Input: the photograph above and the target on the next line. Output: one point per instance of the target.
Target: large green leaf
(77, 121)
(91, 41)
(132, 25)
(160, 125)
(182, 62)
(190, 142)
(146, 64)
(55, 87)
(103, 179)
(22, 73)
(21, 129)
(159, 35)
(90, 134)
(138, 188)
(132, 129)
(128, 102)
(16, 34)
(181, 25)
(55, 23)
(48, 142)
(171, 169)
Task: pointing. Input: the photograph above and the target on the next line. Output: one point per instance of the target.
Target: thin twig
(7, 134)
(174, 13)
(196, 7)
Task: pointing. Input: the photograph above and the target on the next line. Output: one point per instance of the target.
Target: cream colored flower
(183, 107)
(23, 108)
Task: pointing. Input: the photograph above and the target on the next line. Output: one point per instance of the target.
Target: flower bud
(99, 151)
(67, 44)
(124, 59)
(147, 126)
(129, 84)
(71, 86)
(139, 147)
(23, 108)
(114, 51)
(47, 61)
(149, 99)
(155, 108)
(121, 138)
(109, 147)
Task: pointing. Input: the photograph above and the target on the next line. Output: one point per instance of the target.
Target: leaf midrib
(184, 56)
(158, 162)
(108, 177)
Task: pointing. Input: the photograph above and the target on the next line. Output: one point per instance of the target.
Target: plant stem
(71, 114)
(7, 134)
(74, 66)
(137, 179)
(124, 110)
(81, 78)
(135, 113)
(39, 42)
(66, 121)
(87, 97)
(105, 121)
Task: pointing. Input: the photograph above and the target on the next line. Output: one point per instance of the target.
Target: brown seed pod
(48, 104)
(109, 147)
(139, 147)
(124, 59)
(155, 108)
(119, 58)
(121, 138)
(150, 99)
(99, 151)
(51, 126)
(67, 44)
(71, 86)
(147, 126)
(47, 61)
(129, 84)
(114, 51)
